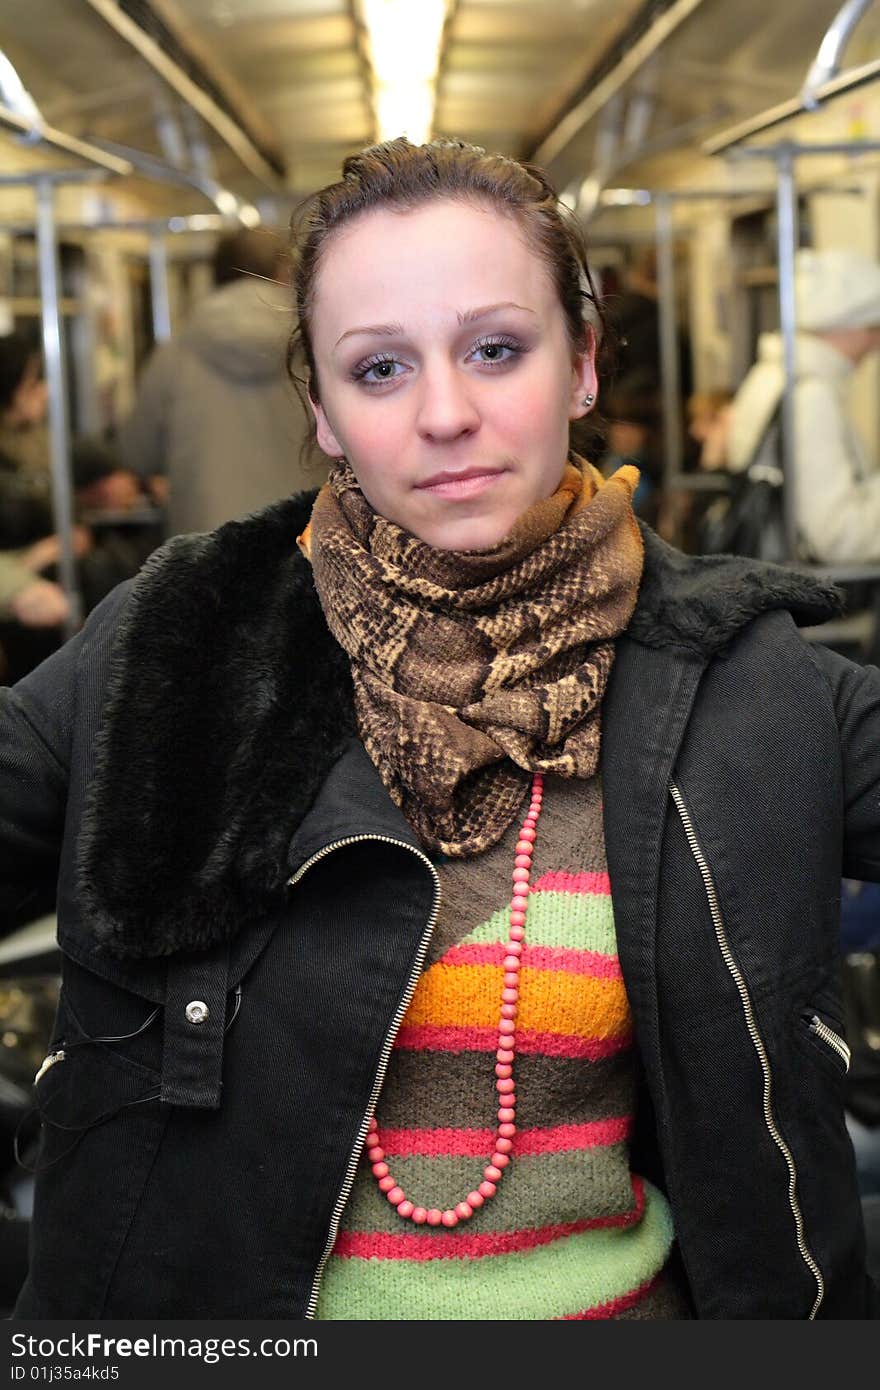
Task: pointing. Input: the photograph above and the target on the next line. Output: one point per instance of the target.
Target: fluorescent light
(404, 38)
(405, 110)
(404, 43)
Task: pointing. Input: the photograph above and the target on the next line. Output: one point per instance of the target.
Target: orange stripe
(550, 1001)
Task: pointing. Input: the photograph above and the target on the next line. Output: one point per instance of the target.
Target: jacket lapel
(644, 717)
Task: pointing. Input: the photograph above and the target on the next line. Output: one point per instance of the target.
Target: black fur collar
(228, 701)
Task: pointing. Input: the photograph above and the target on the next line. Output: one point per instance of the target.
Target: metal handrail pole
(59, 432)
(160, 299)
(826, 64)
(669, 373)
(786, 218)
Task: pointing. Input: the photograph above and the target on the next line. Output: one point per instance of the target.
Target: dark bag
(749, 518)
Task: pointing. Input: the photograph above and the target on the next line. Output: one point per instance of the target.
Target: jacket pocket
(101, 1127)
(824, 1035)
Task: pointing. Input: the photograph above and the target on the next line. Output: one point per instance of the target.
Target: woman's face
(446, 375)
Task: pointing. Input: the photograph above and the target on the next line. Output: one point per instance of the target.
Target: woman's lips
(463, 485)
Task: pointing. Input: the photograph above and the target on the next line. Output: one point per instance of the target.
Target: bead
(504, 1055)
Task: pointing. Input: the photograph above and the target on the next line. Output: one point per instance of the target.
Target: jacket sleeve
(838, 509)
(143, 436)
(856, 694)
(36, 732)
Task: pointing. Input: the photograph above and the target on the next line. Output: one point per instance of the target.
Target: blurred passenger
(635, 316)
(24, 399)
(837, 482)
(216, 415)
(708, 417)
(632, 436)
(111, 503)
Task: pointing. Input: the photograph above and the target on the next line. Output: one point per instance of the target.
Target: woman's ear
(327, 441)
(584, 382)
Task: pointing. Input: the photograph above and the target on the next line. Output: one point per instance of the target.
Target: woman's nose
(447, 408)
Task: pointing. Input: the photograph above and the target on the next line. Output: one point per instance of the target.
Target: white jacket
(837, 494)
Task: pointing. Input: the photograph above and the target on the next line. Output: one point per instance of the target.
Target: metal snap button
(196, 1011)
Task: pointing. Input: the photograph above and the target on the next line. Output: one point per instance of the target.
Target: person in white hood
(216, 414)
(837, 491)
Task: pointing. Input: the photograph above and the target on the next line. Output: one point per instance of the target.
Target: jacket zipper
(757, 1041)
(828, 1035)
(389, 1040)
(49, 1061)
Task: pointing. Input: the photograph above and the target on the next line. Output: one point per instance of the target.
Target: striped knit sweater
(571, 1232)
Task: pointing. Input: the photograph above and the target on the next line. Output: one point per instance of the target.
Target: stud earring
(588, 399)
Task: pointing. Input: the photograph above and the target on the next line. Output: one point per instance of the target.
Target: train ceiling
(269, 95)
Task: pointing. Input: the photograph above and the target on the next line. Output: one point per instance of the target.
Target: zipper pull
(49, 1061)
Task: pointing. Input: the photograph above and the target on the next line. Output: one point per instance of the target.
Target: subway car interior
(707, 148)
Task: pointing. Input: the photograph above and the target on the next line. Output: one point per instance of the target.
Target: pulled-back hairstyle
(402, 176)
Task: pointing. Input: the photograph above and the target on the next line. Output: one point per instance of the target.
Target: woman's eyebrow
(469, 315)
(387, 330)
(390, 330)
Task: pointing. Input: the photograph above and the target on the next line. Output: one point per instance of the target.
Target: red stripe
(436, 1037)
(474, 1143)
(538, 958)
(449, 1245)
(560, 882)
(615, 1305)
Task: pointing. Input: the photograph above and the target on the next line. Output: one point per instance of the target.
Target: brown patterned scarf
(473, 669)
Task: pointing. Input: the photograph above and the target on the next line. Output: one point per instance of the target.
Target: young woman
(448, 871)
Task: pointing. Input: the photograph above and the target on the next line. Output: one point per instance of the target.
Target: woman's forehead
(446, 252)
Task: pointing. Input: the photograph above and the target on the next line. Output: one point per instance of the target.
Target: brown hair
(402, 176)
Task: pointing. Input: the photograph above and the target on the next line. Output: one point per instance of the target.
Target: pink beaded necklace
(506, 1129)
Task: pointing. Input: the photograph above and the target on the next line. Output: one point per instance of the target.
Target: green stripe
(537, 1190)
(578, 921)
(572, 1274)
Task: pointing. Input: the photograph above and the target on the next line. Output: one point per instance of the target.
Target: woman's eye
(378, 370)
(493, 351)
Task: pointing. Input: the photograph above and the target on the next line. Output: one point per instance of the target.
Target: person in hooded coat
(837, 482)
(216, 415)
